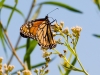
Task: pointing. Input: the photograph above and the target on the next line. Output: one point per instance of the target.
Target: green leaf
(28, 58)
(18, 11)
(96, 35)
(3, 43)
(20, 47)
(61, 5)
(2, 38)
(1, 3)
(11, 14)
(31, 47)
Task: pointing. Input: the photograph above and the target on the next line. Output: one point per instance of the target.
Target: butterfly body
(39, 29)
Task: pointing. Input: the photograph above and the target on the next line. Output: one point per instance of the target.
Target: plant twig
(13, 50)
(81, 66)
(33, 4)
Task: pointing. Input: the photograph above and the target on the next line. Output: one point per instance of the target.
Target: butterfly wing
(39, 30)
(29, 29)
(44, 36)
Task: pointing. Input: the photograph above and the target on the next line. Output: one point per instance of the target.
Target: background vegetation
(8, 36)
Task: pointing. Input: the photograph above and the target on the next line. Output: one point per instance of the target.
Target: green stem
(66, 43)
(66, 59)
(82, 66)
(73, 51)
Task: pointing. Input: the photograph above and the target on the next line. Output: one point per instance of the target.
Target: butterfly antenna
(53, 10)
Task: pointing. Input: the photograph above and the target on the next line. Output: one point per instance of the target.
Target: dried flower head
(54, 34)
(47, 71)
(26, 72)
(47, 59)
(10, 67)
(60, 55)
(64, 51)
(18, 73)
(76, 31)
(44, 49)
(1, 72)
(41, 70)
(5, 65)
(1, 59)
(59, 41)
(46, 65)
(0, 66)
(56, 27)
(45, 54)
(66, 31)
(36, 70)
(62, 24)
(6, 70)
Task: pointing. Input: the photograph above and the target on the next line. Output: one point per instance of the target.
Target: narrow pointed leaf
(2, 39)
(96, 35)
(18, 11)
(30, 49)
(11, 14)
(28, 58)
(20, 47)
(61, 5)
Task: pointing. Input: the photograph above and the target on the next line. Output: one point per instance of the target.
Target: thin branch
(13, 50)
(32, 6)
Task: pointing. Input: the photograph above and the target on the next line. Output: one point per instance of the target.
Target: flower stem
(81, 66)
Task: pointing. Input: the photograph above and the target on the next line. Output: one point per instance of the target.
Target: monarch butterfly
(39, 29)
